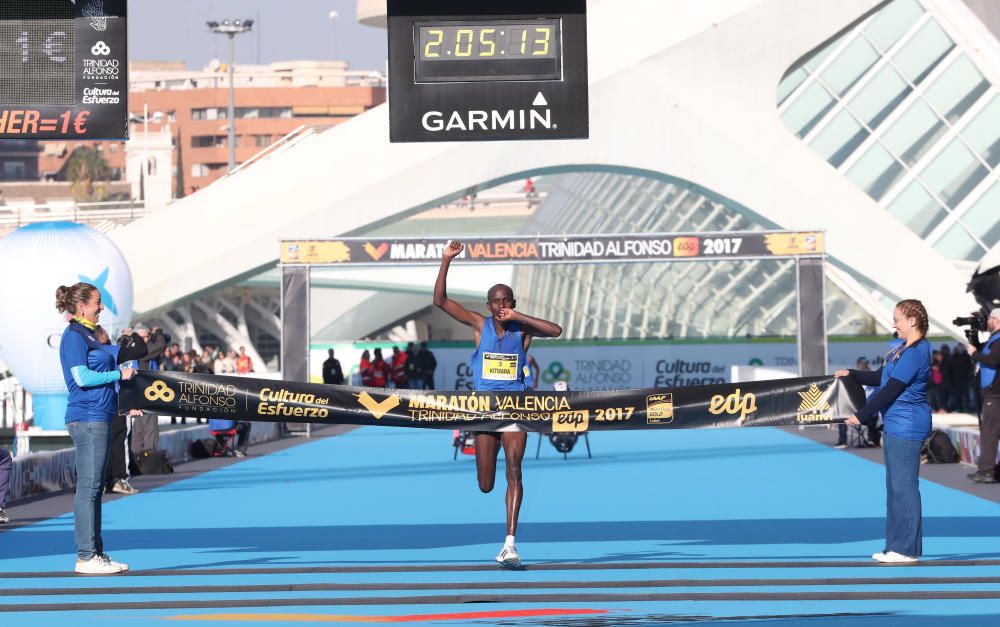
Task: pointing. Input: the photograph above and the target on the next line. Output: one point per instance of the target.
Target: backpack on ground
(154, 463)
(939, 449)
(204, 448)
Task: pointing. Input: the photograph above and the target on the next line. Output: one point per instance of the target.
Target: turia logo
(159, 391)
(94, 11)
(374, 252)
(814, 406)
(376, 408)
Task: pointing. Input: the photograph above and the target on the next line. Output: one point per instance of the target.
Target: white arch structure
(687, 89)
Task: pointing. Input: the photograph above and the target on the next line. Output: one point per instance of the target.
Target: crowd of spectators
(952, 386)
(410, 369)
(161, 353)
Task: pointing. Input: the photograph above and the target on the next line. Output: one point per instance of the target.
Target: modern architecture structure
(878, 122)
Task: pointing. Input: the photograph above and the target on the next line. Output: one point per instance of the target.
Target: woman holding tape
(902, 399)
(91, 371)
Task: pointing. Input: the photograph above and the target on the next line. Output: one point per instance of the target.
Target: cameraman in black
(989, 423)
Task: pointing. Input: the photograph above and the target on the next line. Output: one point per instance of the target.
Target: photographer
(989, 423)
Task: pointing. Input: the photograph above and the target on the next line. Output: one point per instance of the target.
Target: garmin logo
(492, 120)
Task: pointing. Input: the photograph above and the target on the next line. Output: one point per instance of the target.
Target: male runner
(502, 341)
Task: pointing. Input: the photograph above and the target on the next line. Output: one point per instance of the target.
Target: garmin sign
(488, 70)
(478, 120)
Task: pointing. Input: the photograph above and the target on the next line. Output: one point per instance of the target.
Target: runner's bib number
(500, 366)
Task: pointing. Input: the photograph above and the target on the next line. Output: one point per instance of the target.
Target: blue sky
(284, 30)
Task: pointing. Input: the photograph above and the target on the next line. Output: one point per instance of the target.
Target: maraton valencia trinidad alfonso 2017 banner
(812, 400)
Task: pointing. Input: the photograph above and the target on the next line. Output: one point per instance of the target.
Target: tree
(86, 169)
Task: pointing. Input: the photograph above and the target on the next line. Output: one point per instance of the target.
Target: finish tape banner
(812, 400)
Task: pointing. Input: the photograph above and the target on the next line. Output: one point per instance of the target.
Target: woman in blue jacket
(90, 371)
(906, 415)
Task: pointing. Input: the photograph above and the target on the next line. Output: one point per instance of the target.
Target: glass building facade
(894, 103)
(897, 106)
(675, 300)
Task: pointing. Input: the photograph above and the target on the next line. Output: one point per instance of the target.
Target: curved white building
(878, 122)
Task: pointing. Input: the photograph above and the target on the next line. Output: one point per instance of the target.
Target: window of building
(14, 170)
(917, 209)
(923, 51)
(263, 140)
(880, 96)
(893, 22)
(208, 141)
(199, 169)
(875, 171)
(953, 173)
(839, 138)
(956, 89)
(211, 113)
(808, 109)
(983, 217)
(983, 133)
(914, 132)
(958, 244)
(845, 70)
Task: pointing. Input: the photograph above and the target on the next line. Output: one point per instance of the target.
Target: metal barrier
(104, 216)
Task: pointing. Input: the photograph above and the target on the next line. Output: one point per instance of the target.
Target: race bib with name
(500, 366)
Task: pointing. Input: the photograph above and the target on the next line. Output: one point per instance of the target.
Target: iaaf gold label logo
(814, 406)
(735, 404)
(659, 409)
(570, 421)
(205, 398)
(159, 391)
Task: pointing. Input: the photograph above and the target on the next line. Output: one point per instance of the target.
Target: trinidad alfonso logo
(814, 406)
(159, 391)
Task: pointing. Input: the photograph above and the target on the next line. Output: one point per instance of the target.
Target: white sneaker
(98, 565)
(892, 557)
(122, 486)
(508, 557)
(124, 567)
(840, 446)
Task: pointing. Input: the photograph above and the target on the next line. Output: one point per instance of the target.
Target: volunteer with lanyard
(989, 422)
(90, 371)
(902, 399)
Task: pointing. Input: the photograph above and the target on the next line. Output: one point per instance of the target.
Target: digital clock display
(494, 50)
(37, 52)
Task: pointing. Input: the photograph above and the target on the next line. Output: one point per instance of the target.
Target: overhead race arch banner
(516, 249)
(810, 400)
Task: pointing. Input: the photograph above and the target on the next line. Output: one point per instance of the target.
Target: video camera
(976, 321)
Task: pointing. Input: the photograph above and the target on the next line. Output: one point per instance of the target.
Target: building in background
(190, 108)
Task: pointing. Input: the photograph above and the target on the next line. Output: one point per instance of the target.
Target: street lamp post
(231, 28)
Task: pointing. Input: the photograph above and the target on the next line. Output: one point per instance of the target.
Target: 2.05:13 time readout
(488, 41)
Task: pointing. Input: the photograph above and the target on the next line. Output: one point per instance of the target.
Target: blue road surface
(752, 526)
